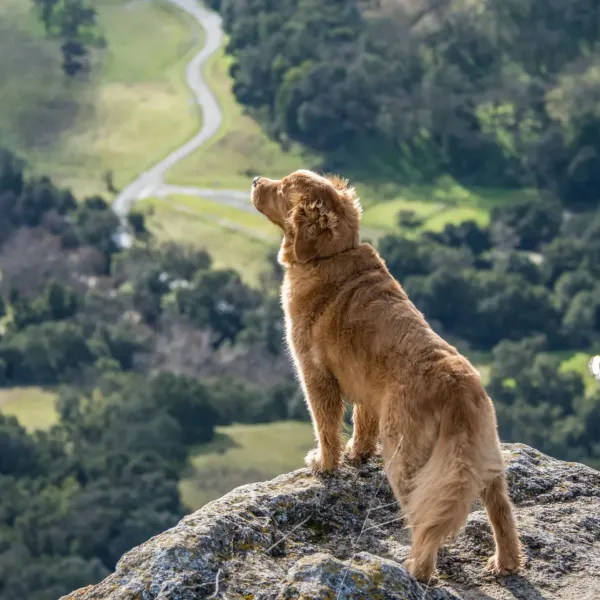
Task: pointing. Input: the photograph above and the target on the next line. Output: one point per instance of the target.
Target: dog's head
(319, 215)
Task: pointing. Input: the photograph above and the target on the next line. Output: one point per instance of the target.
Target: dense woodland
(151, 347)
(500, 93)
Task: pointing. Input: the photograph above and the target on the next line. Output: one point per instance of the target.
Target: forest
(140, 343)
(492, 93)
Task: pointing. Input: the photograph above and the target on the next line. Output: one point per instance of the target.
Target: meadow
(242, 454)
(132, 108)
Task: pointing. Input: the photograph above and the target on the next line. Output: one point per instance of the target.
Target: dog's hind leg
(508, 557)
(363, 443)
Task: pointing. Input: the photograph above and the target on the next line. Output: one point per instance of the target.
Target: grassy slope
(243, 454)
(34, 407)
(132, 111)
(223, 231)
(241, 150)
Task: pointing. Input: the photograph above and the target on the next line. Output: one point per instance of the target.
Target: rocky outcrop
(301, 537)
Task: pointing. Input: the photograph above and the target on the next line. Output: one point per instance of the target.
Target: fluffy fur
(354, 334)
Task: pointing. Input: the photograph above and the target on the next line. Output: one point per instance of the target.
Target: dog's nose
(255, 180)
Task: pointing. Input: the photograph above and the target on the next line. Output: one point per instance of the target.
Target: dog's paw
(318, 464)
(504, 565)
(422, 573)
(358, 456)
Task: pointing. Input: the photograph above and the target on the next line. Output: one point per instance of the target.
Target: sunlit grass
(243, 454)
(228, 243)
(134, 109)
(33, 407)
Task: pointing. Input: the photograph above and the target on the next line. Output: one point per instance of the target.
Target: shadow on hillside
(37, 102)
(219, 445)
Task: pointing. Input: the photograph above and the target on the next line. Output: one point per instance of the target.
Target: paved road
(151, 183)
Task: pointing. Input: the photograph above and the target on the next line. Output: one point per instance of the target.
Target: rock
(299, 537)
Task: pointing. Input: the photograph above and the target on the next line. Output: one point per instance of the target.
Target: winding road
(151, 183)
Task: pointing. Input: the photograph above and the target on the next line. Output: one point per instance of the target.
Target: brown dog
(354, 333)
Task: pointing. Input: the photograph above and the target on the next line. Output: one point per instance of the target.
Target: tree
(45, 353)
(509, 308)
(188, 402)
(19, 455)
(569, 284)
(73, 22)
(534, 222)
(449, 297)
(402, 256)
(136, 222)
(540, 404)
(96, 224)
(579, 321)
(467, 233)
(522, 264)
(218, 300)
(11, 173)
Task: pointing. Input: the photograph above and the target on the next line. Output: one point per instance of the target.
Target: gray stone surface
(300, 537)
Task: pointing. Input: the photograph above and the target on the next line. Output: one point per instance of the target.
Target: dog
(354, 334)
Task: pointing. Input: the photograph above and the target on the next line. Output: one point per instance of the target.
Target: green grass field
(235, 239)
(34, 407)
(134, 108)
(243, 454)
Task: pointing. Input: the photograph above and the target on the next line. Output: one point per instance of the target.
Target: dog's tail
(444, 490)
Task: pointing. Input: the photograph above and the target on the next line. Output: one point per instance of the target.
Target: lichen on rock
(300, 537)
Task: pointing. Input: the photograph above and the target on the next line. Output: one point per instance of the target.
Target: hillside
(127, 113)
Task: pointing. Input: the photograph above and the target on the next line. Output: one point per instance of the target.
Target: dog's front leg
(326, 407)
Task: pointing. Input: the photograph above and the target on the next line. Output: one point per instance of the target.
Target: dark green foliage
(11, 174)
(189, 403)
(468, 234)
(265, 325)
(45, 578)
(55, 304)
(533, 222)
(522, 264)
(18, 454)
(237, 401)
(485, 91)
(218, 300)
(45, 354)
(537, 402)
(36, 201)
(136, 221)
(73, 22)
(104, 480)
(95, 225)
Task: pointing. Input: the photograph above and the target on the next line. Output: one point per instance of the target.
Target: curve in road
(151, 182)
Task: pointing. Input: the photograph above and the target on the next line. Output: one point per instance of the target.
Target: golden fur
(354, 334)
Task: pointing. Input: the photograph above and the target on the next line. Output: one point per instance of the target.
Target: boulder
(301, 537)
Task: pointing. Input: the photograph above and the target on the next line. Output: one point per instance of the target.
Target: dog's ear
(314, 221)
